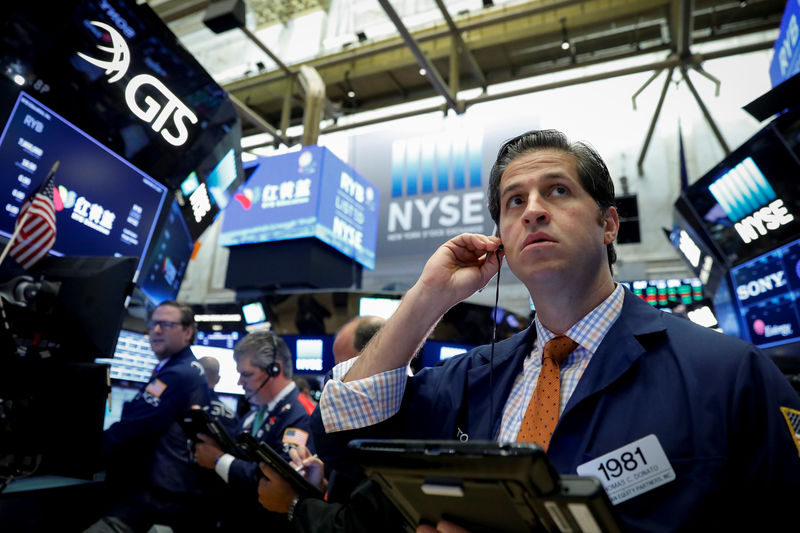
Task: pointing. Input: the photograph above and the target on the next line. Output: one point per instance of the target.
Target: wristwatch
(292, 506)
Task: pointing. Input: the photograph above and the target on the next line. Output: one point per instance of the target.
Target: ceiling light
(351, 93)
(564, 36)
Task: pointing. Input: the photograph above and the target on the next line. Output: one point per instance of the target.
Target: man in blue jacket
(641, 391)
(150, 464)
(280, 419)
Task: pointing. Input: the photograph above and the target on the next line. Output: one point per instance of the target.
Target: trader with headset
(280, 418)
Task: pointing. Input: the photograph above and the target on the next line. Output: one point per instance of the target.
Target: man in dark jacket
(280, 419)
(710, 413)
(150, 467)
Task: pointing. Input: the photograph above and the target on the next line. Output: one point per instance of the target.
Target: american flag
(35, 231)
(295, 436)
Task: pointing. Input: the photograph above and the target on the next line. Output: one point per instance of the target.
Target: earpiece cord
(494, 339)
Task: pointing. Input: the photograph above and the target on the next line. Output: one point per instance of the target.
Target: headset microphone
(249, 396)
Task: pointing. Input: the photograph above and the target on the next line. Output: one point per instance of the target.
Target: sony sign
(155, 112)
(761, 285)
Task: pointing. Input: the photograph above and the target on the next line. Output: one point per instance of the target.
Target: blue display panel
(786, 59)
(767, 293)
(167, 259)
(310, 193)
(104, 205)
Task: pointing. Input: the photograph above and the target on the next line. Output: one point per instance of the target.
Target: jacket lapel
(619, 350)
(508, 359)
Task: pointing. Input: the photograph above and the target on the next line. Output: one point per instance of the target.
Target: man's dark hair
(592, 171)
(264, 348)
(187, 315)
(367, 327)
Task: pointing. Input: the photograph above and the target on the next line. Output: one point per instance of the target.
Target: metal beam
(430, 69)
(257, 120)
(651, 129)
(462, 46)
(706, 113)
(658, 65)
(250, 35)
(682, 25)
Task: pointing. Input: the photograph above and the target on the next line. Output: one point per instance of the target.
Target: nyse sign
(440, 216)
(156, 111)
(766, 219)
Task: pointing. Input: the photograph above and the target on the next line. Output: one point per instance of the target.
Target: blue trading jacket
(290, 412)
(147, 443)
(712, 401)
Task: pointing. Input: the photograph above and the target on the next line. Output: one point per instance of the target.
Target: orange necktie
(541, 415)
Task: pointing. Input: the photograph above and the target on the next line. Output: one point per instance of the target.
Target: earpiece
(273, 370)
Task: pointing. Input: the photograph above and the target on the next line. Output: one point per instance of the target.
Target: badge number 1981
(631, 470)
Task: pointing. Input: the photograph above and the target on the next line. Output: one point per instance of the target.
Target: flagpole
(18, 227)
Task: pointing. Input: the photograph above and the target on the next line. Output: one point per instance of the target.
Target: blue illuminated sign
(786, 59)
(452, 164)
(767, 290)
(742, 190)
(310, 193)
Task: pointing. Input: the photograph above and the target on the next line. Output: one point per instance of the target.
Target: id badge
(631, 470)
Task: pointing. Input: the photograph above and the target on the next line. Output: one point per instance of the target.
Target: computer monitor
(376, 306)
(219, 345)
(117, 397)
(766, 290)
(253, 313)
(133, 359)
(78, 310)
(104, 205)
(168, 258)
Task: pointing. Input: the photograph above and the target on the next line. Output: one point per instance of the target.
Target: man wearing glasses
(150, 466)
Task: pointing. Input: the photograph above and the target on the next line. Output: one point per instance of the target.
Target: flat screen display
(374, 306)
(133, 359)
(166, 262)
(667, 293)
(219, 345)
(749, 204)
(116, 400)
(312, 354)
(104, 205)
(767, 293)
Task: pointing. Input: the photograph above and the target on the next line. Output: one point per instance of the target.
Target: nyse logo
(155, 112)
(742, 190)
(423, 166)
(768, 218)
(761, 285)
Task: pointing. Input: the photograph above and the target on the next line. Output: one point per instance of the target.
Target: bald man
(211, 370)
(354, 335)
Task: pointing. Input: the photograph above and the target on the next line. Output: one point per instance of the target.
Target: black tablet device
(259, 452)
(195, 421)
(484, 486)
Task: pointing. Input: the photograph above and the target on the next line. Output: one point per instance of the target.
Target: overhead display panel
(104, 205)
(310, 193)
